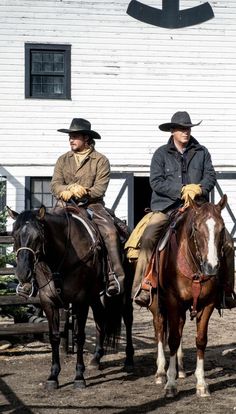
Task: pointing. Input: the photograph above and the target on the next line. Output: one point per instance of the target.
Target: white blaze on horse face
(212, 250)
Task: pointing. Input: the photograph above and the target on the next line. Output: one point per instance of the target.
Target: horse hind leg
(98, 315)
(81, 314)
(180, 361)
(127, 313)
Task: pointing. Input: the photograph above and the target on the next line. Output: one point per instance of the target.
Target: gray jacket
(166, 175)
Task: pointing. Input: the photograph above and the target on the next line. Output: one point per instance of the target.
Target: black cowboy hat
(82, 126)
(178, 119)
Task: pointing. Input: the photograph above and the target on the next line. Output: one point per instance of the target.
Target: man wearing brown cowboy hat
(83, 174)
(180, 170)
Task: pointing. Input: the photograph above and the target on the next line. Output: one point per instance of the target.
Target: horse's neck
(185, 243)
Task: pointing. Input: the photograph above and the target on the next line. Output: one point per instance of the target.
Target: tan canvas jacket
(93, 173)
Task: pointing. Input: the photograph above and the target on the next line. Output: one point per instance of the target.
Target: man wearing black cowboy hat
(180, 170)
(83, 174)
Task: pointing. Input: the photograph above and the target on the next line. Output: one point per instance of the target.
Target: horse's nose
(208, 269)
(23, 275)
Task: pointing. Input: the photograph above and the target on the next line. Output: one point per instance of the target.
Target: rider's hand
(66, 195)
(77, 190)
(190, 191)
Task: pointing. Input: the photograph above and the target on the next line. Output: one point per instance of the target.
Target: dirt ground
(25, 367)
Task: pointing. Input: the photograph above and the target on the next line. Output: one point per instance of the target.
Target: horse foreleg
(81, 314)
(180, 353)
(127, 314)
(54, 337)
(201, 342)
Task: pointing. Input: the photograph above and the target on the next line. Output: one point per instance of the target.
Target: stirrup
(137, 294)
(116, 286)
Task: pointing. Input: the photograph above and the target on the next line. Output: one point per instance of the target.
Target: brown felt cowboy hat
(179, 119)
(82, 126)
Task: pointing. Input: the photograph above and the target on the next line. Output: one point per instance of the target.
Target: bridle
(35, 254)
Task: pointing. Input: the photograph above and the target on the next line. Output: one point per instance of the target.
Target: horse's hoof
(171, 392)
(203, 391)
(51, 385)
(128, 367)
(79, 384)
(181, 374)
(160, 379)
(94, 364)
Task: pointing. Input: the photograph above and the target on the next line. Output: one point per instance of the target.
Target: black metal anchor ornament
(170, 16)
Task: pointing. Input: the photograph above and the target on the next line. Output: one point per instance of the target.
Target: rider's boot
(143, 296)
(116, 275)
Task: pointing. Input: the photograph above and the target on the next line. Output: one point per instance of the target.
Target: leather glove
(77, 190)
(66, 195)
(190, 191)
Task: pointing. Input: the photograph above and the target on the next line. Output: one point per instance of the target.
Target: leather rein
(197, 277)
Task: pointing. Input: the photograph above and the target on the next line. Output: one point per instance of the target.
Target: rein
(197, 277)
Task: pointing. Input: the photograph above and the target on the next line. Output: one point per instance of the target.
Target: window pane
(58, 85)
(58, 67)
(47, 67)
(36, 200)
(46, 186)
(47, 200)
(58, 62)
(36, 89)
(37, 186)
(48, 57)
(36, 67)
(47, 88)
(36, 84)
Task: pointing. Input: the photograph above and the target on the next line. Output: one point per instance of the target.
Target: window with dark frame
(47, 71)
(38, 193)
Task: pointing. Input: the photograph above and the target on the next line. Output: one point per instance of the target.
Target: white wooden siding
(127, 78)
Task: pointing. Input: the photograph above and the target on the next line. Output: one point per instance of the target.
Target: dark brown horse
(62, 254)
(190, 269)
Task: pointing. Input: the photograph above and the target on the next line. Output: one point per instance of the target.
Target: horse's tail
(113, 317)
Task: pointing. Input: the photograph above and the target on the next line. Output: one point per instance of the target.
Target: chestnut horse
(63, 255)
(189, 272)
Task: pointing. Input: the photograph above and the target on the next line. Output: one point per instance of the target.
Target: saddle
(150, 281)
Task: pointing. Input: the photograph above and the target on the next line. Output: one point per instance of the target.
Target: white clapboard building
(126, 66)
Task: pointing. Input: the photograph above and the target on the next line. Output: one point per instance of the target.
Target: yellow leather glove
(190, 191)
(66, 195)
(77, 190)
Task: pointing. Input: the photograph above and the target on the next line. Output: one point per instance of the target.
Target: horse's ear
(222, 203)
(13, 214)
(41, 213)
